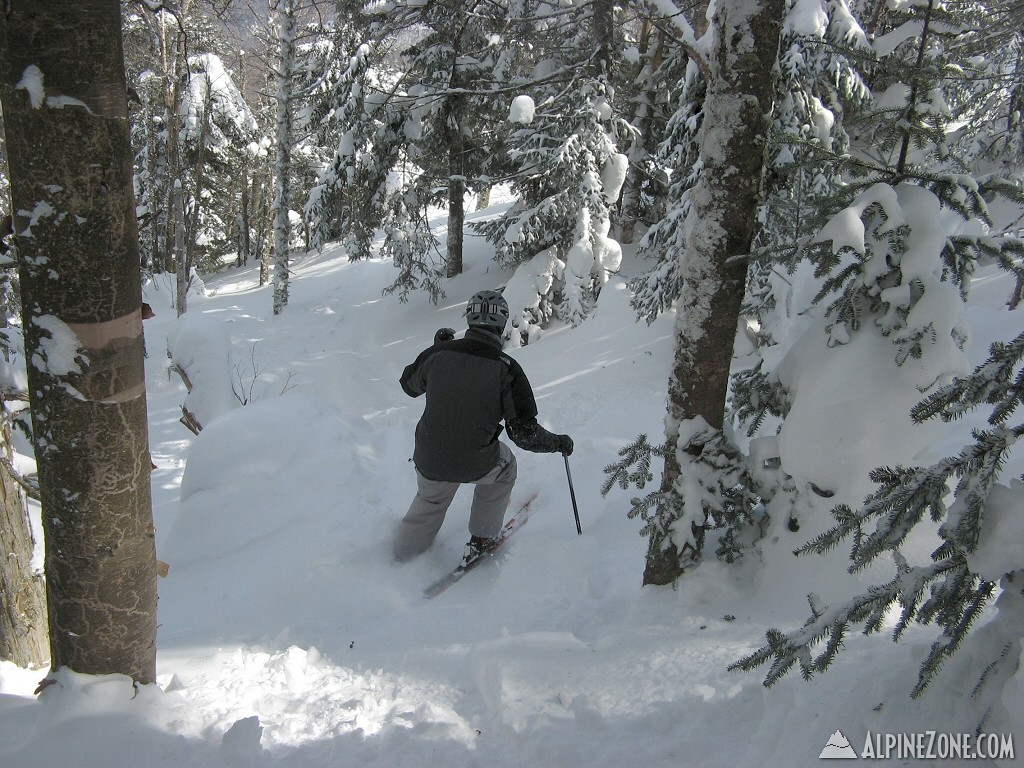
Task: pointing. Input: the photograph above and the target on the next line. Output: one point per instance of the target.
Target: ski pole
(572, 495)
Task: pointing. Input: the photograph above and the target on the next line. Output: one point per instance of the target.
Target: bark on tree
(721, 227)
(604, 37)
(456, 141)
(23, 637)
(62, 87)
(652, 42)
(176, 71)
(283, 157)
(263, 215)
(192, 232)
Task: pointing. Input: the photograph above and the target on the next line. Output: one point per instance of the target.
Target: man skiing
(471, 387)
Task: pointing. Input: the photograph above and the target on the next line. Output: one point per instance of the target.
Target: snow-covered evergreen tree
(647, 87)
(656, 290)
(569, 176)
(452, 65)
(869, 250)
(405, 135)
(337, 206)
(897, 260)
(214, 132)
(218, 131)
(568, 169)
(970, 566)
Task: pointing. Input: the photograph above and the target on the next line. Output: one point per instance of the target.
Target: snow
(59, 348)
(32, 82)
(820, 379)
(522, 110)
(613, 176)
(998, 550)
(200, 346)
(289, 638)
(889, 42)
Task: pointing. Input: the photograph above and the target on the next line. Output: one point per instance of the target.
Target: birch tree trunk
(244, 223)
(178, 248)
(721, 227)
(263, 212)
(282, 162)
(62, 87)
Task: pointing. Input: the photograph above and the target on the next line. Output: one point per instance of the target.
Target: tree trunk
(483, 198)
(244, 225)
(1018, 292)
(176, 71)
(189, 249)
(63, 92)
(721, 223)
(283, 162)
(22, 593)
(243, 222)
(150, 257)
(262, 252)
(178, 250)
(604, 37)
(456, 200)
(644, 123)
(451, 119)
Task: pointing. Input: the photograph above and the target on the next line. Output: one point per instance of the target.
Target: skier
(471, 387)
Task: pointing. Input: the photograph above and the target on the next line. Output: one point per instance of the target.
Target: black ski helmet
(489, 309)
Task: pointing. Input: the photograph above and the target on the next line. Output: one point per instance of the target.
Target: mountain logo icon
(838, 748)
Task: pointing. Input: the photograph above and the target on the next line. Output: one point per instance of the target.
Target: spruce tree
(921, 191)
(343, 120)
(568, 170)
(885, 159)
(966, 570)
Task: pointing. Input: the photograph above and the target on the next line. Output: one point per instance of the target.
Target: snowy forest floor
(288, 637)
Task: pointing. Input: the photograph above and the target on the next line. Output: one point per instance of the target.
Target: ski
(514, 523)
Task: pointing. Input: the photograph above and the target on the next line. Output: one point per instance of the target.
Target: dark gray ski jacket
(471, 387)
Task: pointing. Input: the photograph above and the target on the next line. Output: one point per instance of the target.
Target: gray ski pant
(421, 523)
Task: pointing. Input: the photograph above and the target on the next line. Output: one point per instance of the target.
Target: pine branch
(639, 453)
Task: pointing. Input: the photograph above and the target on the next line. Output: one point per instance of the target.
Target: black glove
(564, 445)
(444, 334)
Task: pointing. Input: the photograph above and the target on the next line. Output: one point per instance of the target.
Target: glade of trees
(735, 148)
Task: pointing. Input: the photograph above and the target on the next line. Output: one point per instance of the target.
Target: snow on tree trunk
(66, 124)
(720, 229)
(282, 160)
